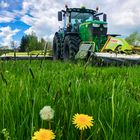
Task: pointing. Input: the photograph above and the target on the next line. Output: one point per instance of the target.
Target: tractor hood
(97, 27)
(89, 30)
(94, 22)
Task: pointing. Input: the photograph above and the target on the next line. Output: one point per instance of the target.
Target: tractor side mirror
(59, 16)
(104, 17)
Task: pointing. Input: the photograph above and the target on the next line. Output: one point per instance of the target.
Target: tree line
(133, 39)
(31, 43)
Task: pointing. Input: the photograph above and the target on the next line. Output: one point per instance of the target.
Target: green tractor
(85, 28)
(80, 25)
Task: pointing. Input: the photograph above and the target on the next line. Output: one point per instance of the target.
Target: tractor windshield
(77, 17)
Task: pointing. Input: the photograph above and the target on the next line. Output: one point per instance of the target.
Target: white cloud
(124, 17)
(10, 16)
(26, 5)
(44, 17)
(127, 13)
(6, 34)
(6, 16)
(6, 19)
(28, 20)
(4, 4)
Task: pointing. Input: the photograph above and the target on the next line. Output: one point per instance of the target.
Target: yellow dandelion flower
(43, 134)
(82, 121)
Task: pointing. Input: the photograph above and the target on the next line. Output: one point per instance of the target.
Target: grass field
(110, 94)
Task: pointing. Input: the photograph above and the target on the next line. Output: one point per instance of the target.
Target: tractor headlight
(95, 25)
(105, 25)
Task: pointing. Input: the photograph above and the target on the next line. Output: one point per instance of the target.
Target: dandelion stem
(49, 124)
(81, 134)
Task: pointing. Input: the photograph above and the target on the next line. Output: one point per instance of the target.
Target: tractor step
(84, 49)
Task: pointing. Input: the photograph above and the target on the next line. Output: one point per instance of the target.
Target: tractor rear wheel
(71, 46)
(56, 47)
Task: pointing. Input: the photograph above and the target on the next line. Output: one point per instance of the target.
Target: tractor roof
(81, 10)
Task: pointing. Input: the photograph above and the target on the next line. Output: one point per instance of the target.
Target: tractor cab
(73, 18)
(89, 24)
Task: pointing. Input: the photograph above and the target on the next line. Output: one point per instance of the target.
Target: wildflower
(47, 113)
(43, 134)
(7, 71)
(82, 121)
(5, 134)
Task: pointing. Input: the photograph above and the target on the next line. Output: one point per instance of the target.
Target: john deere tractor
(82, 29)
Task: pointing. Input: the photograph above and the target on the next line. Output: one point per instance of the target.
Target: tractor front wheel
(56, 47)
(71, 46)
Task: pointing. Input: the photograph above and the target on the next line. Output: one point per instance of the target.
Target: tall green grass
(110, 94)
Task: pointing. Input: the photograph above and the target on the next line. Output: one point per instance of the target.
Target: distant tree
(24, 43)
(33, 42)
(42, 43)
(133, 38)
(13, 45)
(49, 45)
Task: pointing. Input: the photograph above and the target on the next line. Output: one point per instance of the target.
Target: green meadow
(110, 94)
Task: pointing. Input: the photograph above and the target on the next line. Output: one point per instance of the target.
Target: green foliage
(110, 95)
(24, 43)
(132, 38)
(31, 42)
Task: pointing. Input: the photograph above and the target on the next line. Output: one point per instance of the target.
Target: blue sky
(11, 26)
(19, 17)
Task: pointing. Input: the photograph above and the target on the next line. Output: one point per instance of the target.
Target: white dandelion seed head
(46, 113)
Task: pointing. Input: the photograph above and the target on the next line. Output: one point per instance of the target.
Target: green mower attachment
(116, 50)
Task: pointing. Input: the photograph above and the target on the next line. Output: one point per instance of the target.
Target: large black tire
(56, 47)
(71, 46)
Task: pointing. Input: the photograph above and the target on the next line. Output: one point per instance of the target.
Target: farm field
(111, 95)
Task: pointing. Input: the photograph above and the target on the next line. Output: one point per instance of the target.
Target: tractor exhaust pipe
(104, 17)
